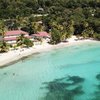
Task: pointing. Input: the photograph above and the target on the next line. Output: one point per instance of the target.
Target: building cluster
(10, 37)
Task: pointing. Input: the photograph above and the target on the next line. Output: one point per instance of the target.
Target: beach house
(43, 35)
(11, 36)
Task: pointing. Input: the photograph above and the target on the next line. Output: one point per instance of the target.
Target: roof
(14, 38)
(15, 32)
(10, 39)
(42, 34)
(29, 37)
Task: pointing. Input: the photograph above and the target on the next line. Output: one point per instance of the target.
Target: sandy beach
(15, 55)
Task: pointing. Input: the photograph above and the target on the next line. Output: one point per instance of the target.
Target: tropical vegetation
(3, 47)
(24, 41)
(61, 18)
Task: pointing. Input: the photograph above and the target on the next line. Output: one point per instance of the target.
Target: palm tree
(2, 29)
(88, 32)
(70, 27)
(3, 47)
(24, 41)
(35, 27)
(85, 24)
(55, 36)
(20, 40)
(65, 35)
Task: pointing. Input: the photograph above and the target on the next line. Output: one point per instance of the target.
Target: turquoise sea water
(71, 73)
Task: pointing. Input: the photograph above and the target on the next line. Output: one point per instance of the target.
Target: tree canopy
(71, 15)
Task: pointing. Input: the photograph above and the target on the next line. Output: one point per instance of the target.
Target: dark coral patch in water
(58, 89)
(97, 95)
(97, 92)
(98, 76)
(75, 79)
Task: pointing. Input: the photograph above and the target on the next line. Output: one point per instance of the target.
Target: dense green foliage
(12, 8)
(67, 16)
(3, 47)
(56, 36)
(24, 41)
(80, 11)
(79, 17)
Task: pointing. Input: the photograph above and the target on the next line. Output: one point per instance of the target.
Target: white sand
(14, 55)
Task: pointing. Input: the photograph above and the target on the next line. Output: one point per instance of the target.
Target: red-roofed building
(10, 36)
(42, 35)
(15, 33)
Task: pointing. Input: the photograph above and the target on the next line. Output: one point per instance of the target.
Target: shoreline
(11, 57)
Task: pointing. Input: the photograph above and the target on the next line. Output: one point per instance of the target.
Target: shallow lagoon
(71, 73)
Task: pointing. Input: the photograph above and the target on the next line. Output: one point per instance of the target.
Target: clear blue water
(71, 73)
